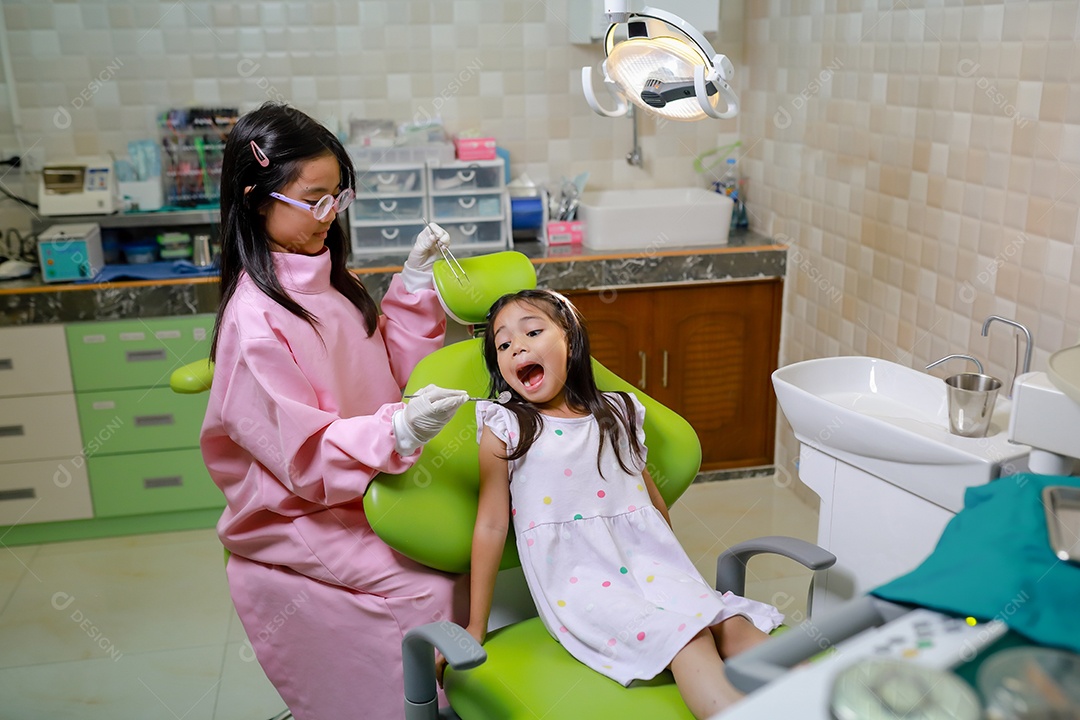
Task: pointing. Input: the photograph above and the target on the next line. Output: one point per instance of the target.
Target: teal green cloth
(994, 562)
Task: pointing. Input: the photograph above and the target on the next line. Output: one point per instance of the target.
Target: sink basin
(1064, 371)
(664, 217)
(893, 422)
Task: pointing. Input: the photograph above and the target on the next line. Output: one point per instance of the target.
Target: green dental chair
(428, 513)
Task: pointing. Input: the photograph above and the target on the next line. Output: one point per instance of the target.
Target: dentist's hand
(425, 250)
(424, 416)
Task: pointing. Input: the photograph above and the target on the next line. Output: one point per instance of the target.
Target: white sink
(655, 219)
(1064, 371)
(892, 421)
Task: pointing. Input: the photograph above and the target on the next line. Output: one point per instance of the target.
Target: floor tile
(167, 684)
(89, 599)
(245, 693)
(14, 565)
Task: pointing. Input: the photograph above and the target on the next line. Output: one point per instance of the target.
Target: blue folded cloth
(994, 561)
(151, 271)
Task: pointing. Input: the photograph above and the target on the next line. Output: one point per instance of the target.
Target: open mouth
(530, 375)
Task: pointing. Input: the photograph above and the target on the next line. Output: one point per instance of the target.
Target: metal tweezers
(451, 261)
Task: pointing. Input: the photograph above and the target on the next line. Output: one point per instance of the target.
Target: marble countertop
(746, 255)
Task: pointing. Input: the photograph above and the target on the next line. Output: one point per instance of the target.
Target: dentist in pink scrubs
(304, 411)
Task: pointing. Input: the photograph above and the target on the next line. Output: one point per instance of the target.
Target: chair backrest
(427, 513)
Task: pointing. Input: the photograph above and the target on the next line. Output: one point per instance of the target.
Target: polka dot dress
(608, 577)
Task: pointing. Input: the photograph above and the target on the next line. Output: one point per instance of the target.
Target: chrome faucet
(1027, 343)
(957, 356)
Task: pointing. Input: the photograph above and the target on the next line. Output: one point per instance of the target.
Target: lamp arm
(617, 11)
(701, 93)
(590, 96)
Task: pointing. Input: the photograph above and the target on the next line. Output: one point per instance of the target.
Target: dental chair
(428, 513)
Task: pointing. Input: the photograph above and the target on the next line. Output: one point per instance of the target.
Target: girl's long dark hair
(289, 138)
(581, 392)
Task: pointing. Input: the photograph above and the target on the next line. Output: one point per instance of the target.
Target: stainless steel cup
(971, 403)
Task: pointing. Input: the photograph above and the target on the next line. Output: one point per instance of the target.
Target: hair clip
(260, 156)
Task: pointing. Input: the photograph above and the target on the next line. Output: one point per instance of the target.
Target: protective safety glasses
(326, 203)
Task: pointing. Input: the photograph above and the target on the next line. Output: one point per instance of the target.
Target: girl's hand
(425, 250)
(424, 416)
(440, 667)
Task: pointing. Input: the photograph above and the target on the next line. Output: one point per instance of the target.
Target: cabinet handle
(152, 483)
(145, 355)
(18, 494)
(466, 202)
(641, 382)
(153, 420)
(388, 206)
(390, 233)
(6, 364)
(387, 178)
(466, 175)
(12, 430)
(663, 380)
(467, 229)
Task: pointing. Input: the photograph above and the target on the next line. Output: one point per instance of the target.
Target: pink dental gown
(298, 423)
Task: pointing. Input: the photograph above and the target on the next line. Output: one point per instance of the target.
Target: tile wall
(92, 75)
(922, 159)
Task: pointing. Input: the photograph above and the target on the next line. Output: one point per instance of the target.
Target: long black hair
(289, 139)
(581, 391)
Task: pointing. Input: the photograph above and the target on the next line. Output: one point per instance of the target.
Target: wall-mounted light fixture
(663, 65)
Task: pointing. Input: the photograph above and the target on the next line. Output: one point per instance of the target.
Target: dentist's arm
(489, 535)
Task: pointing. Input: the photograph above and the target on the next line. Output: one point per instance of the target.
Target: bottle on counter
(732, 185)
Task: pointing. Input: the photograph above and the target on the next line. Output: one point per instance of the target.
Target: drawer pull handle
(663, 382)
(466, 202)
(153, 420)
(18, 494)
(154, 483)
(641, 381)
(466, 175)
(388, 206)
(386, 178)
(12, 430)
(6, 364)
(468, 229)
(390, 233)
(145, 355)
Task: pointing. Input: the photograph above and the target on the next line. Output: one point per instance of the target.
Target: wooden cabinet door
(705, 351)
(619, 325)
(720, 344)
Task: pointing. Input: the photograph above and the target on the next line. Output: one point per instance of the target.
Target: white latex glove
(425, 251)
(424, 416)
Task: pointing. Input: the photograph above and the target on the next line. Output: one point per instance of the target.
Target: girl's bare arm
(489, 534)
(654, 495)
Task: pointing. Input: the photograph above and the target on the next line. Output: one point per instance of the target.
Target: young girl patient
(567, 462)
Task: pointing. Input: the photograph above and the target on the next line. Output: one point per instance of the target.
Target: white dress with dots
(609, 579)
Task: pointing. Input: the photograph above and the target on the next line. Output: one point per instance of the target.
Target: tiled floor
(142, 627)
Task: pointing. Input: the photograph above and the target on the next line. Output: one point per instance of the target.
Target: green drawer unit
(141, 420)
(151, 483)
(135, 353)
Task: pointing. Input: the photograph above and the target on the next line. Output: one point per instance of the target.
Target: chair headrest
(489, 278)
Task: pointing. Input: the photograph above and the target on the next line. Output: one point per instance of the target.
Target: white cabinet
(389, 208)
(877, 531)
(468, 199)
(42, 466)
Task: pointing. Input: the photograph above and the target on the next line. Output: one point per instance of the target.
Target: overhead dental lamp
(663, 66)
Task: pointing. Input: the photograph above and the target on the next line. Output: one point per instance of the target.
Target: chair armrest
(459, 648)
(731, 565)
